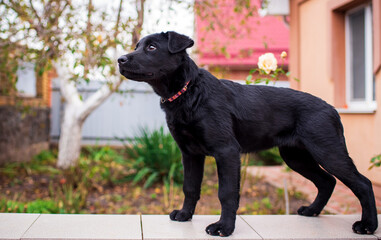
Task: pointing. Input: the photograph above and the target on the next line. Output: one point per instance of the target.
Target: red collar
(176, 95)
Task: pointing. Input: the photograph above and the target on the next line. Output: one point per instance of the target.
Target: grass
(36, 206)
(268, 157)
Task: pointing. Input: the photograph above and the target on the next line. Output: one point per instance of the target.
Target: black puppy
(220, 118)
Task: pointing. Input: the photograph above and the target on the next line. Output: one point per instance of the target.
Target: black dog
(220, 118)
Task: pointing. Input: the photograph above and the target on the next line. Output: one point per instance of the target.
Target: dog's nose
(123, 59)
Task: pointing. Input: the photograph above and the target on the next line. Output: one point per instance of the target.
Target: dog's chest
(189, 137)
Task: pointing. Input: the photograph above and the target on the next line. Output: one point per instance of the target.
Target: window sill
(25, 101)
(369, 110)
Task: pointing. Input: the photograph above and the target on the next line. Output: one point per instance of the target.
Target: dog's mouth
(131, 74)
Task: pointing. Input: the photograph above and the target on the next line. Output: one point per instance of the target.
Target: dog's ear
(178, 42)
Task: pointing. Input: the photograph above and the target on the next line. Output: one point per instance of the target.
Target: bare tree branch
(116, 31)
(59, 13)
(138, 27)
(98, 97)
(15, 6)
(88, 51)
(35, 12)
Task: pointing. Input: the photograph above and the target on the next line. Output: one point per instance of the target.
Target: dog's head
(155, 56)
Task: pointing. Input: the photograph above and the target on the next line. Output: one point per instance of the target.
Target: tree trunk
(69, 146)
(75, 114)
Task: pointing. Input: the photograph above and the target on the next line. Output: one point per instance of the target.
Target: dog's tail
(340, 129)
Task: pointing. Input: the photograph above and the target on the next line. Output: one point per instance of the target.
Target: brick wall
(25, 122)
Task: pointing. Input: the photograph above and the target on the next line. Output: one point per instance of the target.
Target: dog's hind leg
(335, 160)
(301, 161)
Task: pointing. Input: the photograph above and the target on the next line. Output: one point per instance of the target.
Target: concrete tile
(83, 226)
(299, 227)
(378, 231)
(14, 225)
(352, 218)
(157, 227)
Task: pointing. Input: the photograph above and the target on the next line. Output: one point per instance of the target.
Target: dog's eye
(151, 47)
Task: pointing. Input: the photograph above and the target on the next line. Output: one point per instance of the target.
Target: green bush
(267, 157)
(40, 163)
(42, 206)
(36, 206)
(102, 165)
(157, 158)
(375, 162)
(45, 156)
(271, 156)
(70, 199)
(98, 167)
(68, 189)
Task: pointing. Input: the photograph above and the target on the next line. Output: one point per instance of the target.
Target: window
(359, 59)
(26, 80)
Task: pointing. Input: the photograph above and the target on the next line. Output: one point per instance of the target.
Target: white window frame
(369, 104)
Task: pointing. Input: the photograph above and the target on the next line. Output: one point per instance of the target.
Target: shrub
(157, 158)
(36, 206)
(102, 165)
(375, 162)
(69, 189)
(267, 157)
(42, 206)
(40, 163)
(98, 166)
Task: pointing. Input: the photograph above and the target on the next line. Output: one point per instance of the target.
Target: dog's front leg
(193, 173)
(228, 166)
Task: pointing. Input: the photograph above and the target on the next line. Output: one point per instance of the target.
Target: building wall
(25, 122)
(311, 66)
(312, 62)
(363, 135)
(224, 47)
(24, 132)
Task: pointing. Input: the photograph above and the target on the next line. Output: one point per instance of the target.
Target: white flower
(283, 54)
(267, 62)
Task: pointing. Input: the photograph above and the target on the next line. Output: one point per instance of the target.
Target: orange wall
(312, 31)
(310, 35)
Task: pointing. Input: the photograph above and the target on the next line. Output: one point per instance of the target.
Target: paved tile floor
(155, 227)
(13, 226)
(83, 227)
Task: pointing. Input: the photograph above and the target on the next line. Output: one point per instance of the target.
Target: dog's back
(261, 116)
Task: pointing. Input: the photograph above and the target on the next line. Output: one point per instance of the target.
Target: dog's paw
(180, 215)
(362, 227)
(220, 228)
(308, 211)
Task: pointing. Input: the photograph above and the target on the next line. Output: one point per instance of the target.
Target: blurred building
(334, 50)
(336, 53)
(230, 39)
(24, 114)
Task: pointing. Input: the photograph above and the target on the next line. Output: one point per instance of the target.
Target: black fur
(223, 119)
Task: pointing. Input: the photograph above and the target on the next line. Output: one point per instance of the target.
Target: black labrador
(220, 118)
